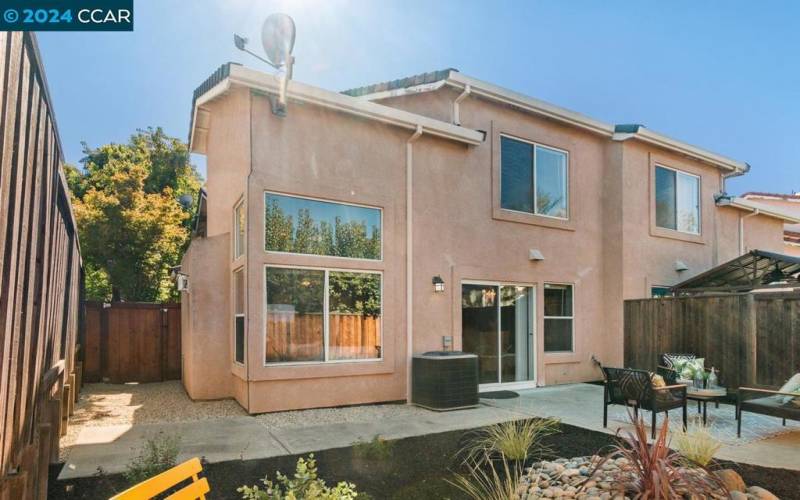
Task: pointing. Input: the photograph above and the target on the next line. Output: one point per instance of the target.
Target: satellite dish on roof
(277, 38)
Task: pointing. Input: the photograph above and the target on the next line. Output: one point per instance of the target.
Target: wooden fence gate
(132, 342)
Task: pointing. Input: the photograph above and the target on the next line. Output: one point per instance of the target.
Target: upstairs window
(677, 200)
(316, 227)
(533, 178)
(238, 230)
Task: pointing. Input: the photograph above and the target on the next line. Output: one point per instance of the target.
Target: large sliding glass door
(497, 324)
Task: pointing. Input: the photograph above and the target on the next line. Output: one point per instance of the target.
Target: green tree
(132, 225)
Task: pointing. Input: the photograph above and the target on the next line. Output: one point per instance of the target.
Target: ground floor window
(238, 315)
(558, 318)
(319, 315)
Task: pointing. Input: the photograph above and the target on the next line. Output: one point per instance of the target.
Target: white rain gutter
(409, 256)
(741, 228)
(456, 108)
(333, 100)
(495, 93)
(403, 91)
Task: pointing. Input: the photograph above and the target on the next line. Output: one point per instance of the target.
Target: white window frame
(535, 183)
(240, 315)
(239, 252)
(325, 317)
(571, 317)
(325, 200)
(699, 199)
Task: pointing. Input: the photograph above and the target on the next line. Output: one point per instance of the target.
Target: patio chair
(169, 479)
(634, 388)
(765, 400)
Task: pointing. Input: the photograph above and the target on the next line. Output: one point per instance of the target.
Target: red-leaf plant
(655, 471)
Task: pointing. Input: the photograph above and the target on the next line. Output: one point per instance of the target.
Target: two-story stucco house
(363, 227)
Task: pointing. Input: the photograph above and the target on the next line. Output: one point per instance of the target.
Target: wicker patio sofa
(765, 400)
(634, 389)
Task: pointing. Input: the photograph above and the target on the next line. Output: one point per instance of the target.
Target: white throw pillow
(792, 385)
(691, 367)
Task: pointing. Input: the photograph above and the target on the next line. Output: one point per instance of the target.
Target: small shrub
(655, 471)
(304, 485)
(697, 444)
(483, 481)
(377, 449)
(516, 440)
(157, 455)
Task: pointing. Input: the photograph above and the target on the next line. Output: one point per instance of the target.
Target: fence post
(750, 342)
(164, 339)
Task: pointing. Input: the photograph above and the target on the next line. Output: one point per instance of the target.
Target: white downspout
(741, 229)
(456, 109)
(409, 255)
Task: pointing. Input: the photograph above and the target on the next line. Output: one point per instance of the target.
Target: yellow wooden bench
(166, 480)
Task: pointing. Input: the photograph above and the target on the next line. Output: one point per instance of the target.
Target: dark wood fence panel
(132, 342)
(750, 338)
(778, 338)
(41, 284)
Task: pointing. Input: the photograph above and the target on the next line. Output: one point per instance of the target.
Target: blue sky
(721, 75)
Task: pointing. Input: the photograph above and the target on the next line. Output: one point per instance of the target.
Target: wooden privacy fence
(132, 342)
(299, 337)
(41, 276)
(749, 337)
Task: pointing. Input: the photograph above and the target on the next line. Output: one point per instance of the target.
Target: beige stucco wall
(609, 249)
(324, 154)
(205, 332)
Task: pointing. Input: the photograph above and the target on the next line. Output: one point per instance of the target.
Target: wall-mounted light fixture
(438, 284)
(681, 266)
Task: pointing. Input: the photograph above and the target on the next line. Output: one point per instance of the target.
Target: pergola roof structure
(755, 270)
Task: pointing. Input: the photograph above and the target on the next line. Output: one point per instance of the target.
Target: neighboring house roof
(434, 80)
(235, 75)
(762, 209)
(771, 196)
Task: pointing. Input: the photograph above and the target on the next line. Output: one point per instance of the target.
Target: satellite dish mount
(277, 38)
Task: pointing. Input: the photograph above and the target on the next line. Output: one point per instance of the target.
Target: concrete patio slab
(581, 405)
(112, 447)
(245, 437)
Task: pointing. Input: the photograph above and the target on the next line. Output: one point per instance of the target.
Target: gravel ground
(118, 404)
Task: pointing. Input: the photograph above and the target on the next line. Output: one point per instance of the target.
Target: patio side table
(703, 396)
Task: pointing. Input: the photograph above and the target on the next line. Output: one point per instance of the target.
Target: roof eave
(300, 92)
(489, 91)
(656, 139)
